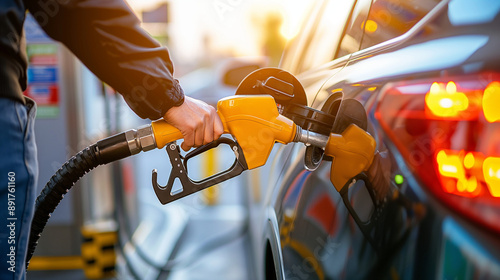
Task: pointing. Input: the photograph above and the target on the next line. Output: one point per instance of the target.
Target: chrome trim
(342, 61)
(404, 37)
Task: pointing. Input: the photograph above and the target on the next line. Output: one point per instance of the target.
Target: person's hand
(198, 122)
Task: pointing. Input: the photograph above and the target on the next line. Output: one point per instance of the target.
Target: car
(427, 74)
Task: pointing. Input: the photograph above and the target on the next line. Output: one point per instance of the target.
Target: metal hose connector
(310, 138)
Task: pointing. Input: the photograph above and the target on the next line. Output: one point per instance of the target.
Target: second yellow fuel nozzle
(256, 125)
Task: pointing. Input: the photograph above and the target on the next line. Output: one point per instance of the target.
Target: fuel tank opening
(314, 155)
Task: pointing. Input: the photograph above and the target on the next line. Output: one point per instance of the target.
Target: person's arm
(106, 36)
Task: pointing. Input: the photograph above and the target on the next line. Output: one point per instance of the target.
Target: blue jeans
(18, 181)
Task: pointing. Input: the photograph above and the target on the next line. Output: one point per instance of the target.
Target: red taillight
(448, 131)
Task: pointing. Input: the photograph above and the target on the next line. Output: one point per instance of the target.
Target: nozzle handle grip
(164, 133)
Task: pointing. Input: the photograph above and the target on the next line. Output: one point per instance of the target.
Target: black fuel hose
(104, 151)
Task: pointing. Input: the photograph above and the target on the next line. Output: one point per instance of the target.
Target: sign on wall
(43, 70)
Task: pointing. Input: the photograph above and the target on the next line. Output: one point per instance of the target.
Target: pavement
(186, 239)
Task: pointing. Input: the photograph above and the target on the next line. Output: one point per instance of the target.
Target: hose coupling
(141, 139)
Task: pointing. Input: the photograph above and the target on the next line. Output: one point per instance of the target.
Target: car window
(318, 41)
(325, 37)
(351, 40)
(391, 18)
(294, 48)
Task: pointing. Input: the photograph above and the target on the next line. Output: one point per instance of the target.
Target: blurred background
(207, 39)
(200, 33)
(111, 225)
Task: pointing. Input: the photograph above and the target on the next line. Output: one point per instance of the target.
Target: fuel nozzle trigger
(179, 170)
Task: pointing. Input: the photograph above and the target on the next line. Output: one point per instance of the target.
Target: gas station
(347, 139)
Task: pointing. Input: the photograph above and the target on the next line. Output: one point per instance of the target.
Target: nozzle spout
(310, 138)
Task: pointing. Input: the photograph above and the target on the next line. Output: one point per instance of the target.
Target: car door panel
(309, 232)
(319, 236)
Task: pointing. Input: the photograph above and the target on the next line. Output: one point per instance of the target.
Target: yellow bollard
(98, 251)
(210, 195)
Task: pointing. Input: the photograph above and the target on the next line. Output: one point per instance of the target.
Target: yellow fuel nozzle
(352, 153)
(252, 120)
(255, 123)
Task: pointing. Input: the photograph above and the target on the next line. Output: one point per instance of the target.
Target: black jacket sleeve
(106, 36)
